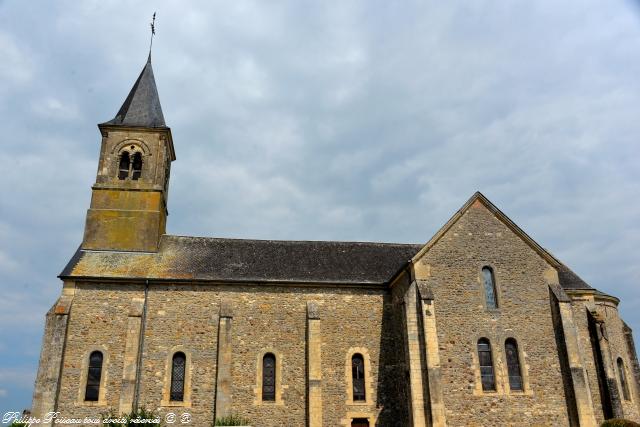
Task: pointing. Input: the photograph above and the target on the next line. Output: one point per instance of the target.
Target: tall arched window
(623, 379)
(137, 166)
(178, 367)
(357, 377)
(94, 375)
(486, 365)
(123, 165)
(489, 288)
(513, 365)
(269, 377)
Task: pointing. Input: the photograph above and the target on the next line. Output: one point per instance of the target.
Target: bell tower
(128, 209)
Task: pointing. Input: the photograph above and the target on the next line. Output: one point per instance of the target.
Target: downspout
(64, 349)
(143, 324)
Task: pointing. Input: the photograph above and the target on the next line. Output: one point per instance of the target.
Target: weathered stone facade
(414, 314)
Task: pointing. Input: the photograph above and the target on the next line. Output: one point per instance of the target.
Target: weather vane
(153, 31)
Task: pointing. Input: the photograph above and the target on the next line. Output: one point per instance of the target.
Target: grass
(231, 420)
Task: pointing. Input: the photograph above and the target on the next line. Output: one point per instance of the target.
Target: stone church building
(479, 326)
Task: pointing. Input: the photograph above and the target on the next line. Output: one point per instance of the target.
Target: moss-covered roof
(213, 259)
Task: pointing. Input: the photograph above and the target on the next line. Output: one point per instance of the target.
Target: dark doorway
(360, 422)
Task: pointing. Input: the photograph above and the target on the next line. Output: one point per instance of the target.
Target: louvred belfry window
(123, 165)
(269, 377)
(357, 377)
(178, 366)
(486, 365)
(513, 365)
(136, 166)
(94, 375)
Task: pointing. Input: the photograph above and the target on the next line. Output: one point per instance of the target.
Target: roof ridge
(290, 241)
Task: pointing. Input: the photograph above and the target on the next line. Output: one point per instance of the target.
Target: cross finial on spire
(153, 32)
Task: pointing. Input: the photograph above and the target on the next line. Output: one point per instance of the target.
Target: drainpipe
(143, 324)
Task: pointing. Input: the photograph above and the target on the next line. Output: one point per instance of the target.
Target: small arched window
(486, 365)
(357, 377)
(489, 288)
(94, 375)
(269, 377)
(623, 379)
(178, 367)
(123, 165)
(136, 166)
(513, 365)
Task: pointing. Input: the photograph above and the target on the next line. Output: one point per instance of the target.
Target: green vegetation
(231, 420)
(619, 422)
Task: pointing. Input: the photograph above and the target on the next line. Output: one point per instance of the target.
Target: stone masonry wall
(97, 321)
(184, 317)
(619, 349)
(580, 308)
(453, 267)
(181, 318)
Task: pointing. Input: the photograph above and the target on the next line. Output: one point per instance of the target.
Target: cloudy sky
(345, 120)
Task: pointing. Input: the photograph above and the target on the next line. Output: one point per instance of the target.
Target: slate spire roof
(142, 106)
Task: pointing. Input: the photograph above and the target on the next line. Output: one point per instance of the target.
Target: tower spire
(128, 210)
(142, 106)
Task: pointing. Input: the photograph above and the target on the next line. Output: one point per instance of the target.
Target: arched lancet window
(137, 166)
(178, 365)
(513, 365)
(94, 375)
(489, 287)
(357, 377)
(269, 377)
(360, 422)
(123, 165)
(486, 365)
(623, 379)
